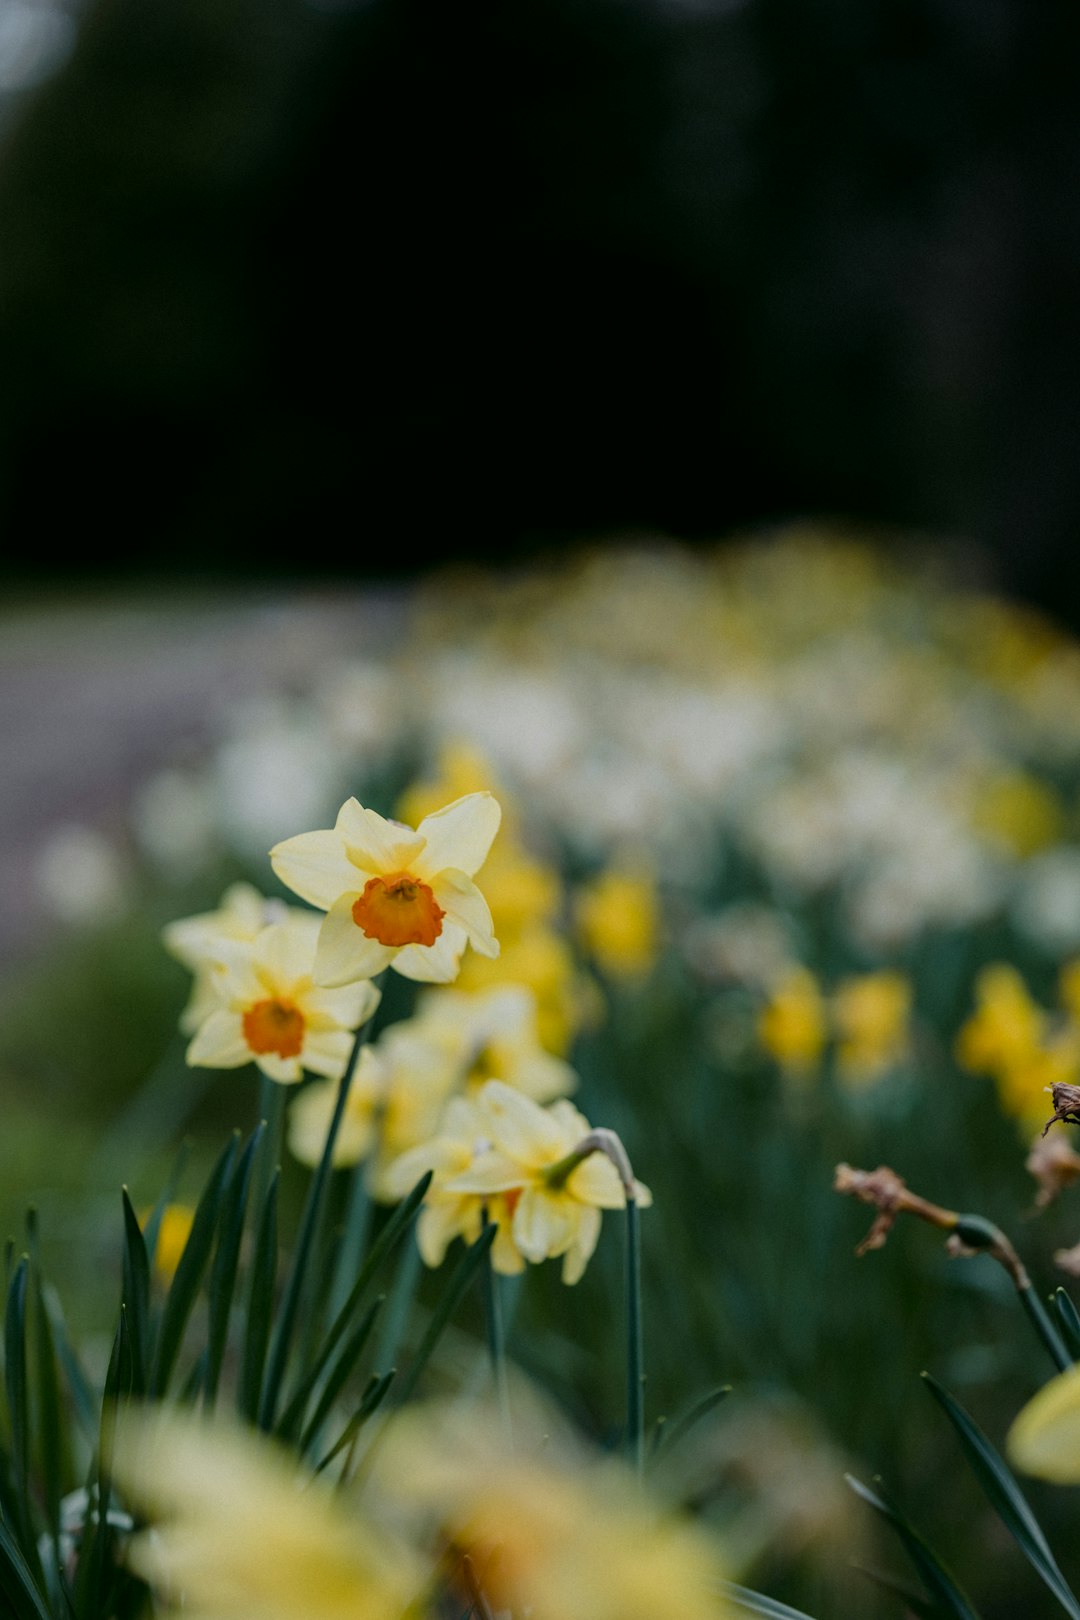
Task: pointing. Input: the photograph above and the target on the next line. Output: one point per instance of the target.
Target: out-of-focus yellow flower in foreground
(174, 1229)
(552, 1533)
(792, 1025)
(1045, 1438)
(194, 941)
(268, 1009)
(237, 1535)
(529, 1158)
(618, 918)
(392, 896)
(871, 1014)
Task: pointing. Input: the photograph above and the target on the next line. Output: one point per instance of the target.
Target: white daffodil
(392, 896)
(269, 1011)
(194, 941)
(533, 1162)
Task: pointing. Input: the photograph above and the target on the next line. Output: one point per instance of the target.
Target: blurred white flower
(80, 875)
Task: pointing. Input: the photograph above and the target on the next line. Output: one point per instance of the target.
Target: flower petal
(459, 835)
(220, 1043)
(505, 1257)
(596, 1181)
(315, 866)
(374, 844)
(580, 1251)
(344, 952)
(1045, 1438)
(326, 1052)
(345, 1007)
(438, 1224)
(543, 1224)
(284, 953)
(286, 1071)
(490, 1173)
(433, 964)
(465, 905)
(520, 1127)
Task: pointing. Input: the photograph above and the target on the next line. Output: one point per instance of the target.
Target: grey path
(95, 694)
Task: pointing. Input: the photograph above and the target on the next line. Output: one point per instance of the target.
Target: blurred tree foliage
(397, 277)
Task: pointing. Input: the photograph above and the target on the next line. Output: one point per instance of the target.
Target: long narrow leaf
(50, 1419)
(460, 1278)
(338, 1376)
(17, 1394)
(22, 1597)
(372, 1399)
(678, 1428)
(189, 1273)
(758, 1603)
(226, 1260)
(260, 1306)
(915, 1601)
(932, 1572)
(1005, 1497)
(136, 1295)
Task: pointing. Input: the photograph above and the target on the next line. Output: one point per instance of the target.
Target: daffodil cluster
(1021, 1046)
(867, 1018)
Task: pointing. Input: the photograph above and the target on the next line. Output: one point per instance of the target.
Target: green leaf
(226, 1260)
(136, 1293)
(678, 1428)
(932, 1572)
(338, 1377)
(23, 1601)
(371, 1400)
(260, 1308)
(50, 1417)
(15, 1380)
(189, 1273)
(916, 1602)
(460, 1278)
(1005, 1497)
(1068, 1321)
(757, 1603)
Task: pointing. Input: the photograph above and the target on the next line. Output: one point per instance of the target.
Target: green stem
(496, 1338)
(635, 1358)
(272, 1111)
(356, 1230)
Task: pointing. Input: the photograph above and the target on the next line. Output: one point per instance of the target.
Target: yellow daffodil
(269, 1011)
(493, 1035)
(237, 1535)
(552, 1531)
(1006, 1026)
(449, 1214)
(540, 959)
(1019, 812)
(619, 921)
(194, 941)
(871, 1015)
(1045, 1438)
(392, 896)
(174, 1229)
(396, 1098)
(555, 1196)
(792, 1025)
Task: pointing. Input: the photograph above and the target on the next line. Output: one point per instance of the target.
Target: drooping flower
(556, 1193)
(194, 941)
(236, 1534)
(394, 897)
(551, 1531)
(269, 1011)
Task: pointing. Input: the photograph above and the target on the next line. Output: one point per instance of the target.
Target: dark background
(346, 289)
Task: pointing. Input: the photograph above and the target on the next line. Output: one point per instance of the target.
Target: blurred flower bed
(789, 874)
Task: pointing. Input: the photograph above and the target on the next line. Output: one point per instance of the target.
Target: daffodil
(534, 1161)
(395, 1100)
(194, 941)
(552, 1531)
(493, 1035)
(540, 959)
(619, 921)
(447, 1213)
(792, 1025)
(394, 897)
(1045, 1437)
(871, 1013)
(236, 1534)
(269, 1011)
(174, 1229)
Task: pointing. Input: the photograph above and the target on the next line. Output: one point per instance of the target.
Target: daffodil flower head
(269, 1011)
(394, 897)
(493, 1035)
(554, 1191)
(195, 942)
(1045, 1437)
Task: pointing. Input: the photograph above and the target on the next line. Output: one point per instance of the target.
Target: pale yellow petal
(347, 1006)
(315, 866)
(459, 835)
(438, 1224)
(580, 1251)
(326, 1052)
(376, 845)
(596, 1182)
(284, 954)
(505, 1256)
(490, 1173)
(433, 964)
(520, 1127)
(220, 1043)
(344, 951)
(544, 1224)
(286, 1071)
(465, 905)
(1045, 1438)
